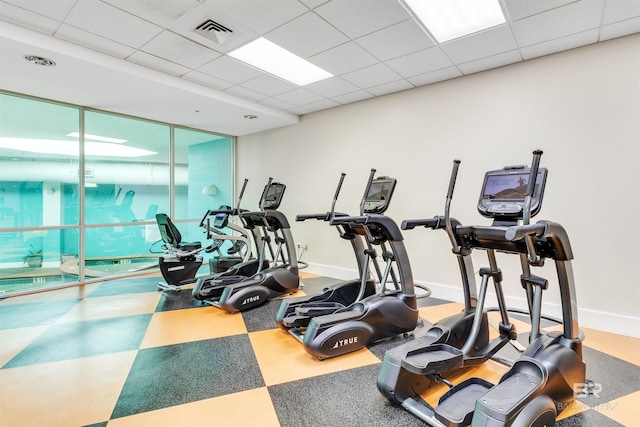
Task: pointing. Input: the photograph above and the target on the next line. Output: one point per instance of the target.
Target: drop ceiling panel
(259, 15)
(24, 17)
(269, 85)
(344, 58)
(557, 45)
(486, 43)
(620, 28)
(490, 62)
(229, 69)
(81, 37)
(519, 9)
(374, 75)
(356, 18)
(420, 62)
(56, 10)
(179, 50)
(112, 23)
(436, 76)
(399, 39)
(307, 35)
(332, 87)
(573, 18)
(372, 47)
(159, 12)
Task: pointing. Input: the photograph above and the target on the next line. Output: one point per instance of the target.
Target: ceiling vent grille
(214, 31)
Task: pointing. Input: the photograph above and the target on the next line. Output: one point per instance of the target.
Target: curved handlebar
(518, 232)
(336, 220)
(435, 223)
(319, 216)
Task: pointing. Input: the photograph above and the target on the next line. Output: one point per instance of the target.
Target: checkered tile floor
(122, 353)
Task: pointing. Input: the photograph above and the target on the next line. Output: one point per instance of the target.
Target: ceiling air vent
(213, 31)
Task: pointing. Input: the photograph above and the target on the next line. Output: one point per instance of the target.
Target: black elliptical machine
(294, 314)
(542, 379)
(204, 286)
(181, 262)
(234, 293)
(388, 312)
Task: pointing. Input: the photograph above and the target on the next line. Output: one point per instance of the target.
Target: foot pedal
(455, 407)
(433, 359)
(318, 309)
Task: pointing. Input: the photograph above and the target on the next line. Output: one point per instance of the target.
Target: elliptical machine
(181, 263)
(234, 293)
(294, 314)
(386, 313)
(542, 378)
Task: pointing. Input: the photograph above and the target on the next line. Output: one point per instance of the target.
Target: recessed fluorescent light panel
(97, 137)
(273, 59)
(450, 19)
(70, 148)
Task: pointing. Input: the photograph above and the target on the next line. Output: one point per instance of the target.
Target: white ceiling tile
(299, 96)
(151, 61)
(353, 97)
(518, 9)
(619, 10)
(420, 62)
(485, 43)
(57, 10)
(276, 103)
(620, 28)
(298, 111)
(25, 18)
(312, 4)
(557, 45)
(206, 80)
(344, 58)
(245, 93)
(110, 22)
(175, 48)
(269, 85)
(491, 62)
(397, 40)
(560, 22)
(260, 15)
(229, 69)
(331, 87)
(321, 105)
(385, 89)
(436, 76)
(307, 35)
(374, 75)
(83, 38)
(356, 18)
(160, 12)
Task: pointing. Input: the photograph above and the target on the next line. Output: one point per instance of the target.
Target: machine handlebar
(434, 223)
(518, 232)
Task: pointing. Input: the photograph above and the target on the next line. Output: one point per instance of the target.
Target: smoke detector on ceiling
(39, 60)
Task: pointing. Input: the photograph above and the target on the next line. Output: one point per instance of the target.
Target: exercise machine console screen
(379, 195)
(504, 190)
(272, 196)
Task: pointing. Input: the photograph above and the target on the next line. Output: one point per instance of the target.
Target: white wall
(581, 107)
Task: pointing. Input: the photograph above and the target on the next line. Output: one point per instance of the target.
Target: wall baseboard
(600, 320)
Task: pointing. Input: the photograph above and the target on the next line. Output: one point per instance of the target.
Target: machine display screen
(273, 196)
(503, 193)
(509, 186)
(379, 195)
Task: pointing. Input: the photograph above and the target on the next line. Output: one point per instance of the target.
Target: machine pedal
(455, 407)
(433, 359)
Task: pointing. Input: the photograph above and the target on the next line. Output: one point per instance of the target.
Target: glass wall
(85, 205)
